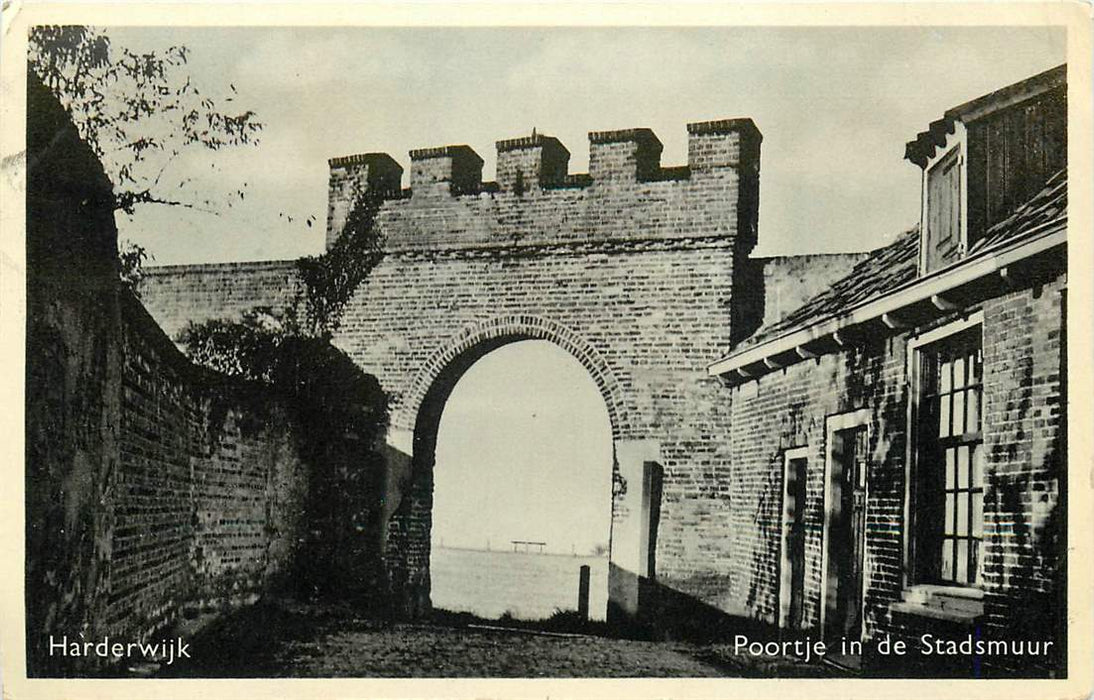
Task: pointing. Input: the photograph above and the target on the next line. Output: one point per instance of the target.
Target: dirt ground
(279, 641)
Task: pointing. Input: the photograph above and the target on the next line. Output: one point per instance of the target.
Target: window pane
(948, 527)
(962, 561)
(944, 416)
(963, 467)
(973, 421)
(978, 515)
(977, 476)
(974, 562)
(947, 559)
(959, 372)
(963, 514)
(944, 377)
(959, 413)
(975, 367)
(950, 469)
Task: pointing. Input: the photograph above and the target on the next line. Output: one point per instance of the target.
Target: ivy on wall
(341, 412)
(331, 279)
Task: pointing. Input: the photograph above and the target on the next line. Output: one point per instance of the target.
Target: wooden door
(846, 541)
(795, 540)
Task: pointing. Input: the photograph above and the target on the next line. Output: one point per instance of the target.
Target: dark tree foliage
(341, 412)
(341, 416)
(131, 259)
(245, 348)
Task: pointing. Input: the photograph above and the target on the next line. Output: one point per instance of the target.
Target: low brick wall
(209, 491)
(180, 294)
(791, 280)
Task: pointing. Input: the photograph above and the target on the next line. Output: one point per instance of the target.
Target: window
(950, 481)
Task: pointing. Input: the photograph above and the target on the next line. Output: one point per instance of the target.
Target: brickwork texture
(155, 496)
(641, 272)
(644, 274)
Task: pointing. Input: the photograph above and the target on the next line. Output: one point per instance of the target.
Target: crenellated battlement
(530, 162)
(626, 195)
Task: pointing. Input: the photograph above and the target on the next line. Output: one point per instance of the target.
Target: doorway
(792, 565)
(845, 525)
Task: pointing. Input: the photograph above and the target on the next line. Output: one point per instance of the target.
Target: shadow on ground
(277, 640)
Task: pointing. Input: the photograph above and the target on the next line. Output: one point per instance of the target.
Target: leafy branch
(137, 111)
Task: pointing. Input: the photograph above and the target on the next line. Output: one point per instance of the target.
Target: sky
(524, 452)
(835, 106)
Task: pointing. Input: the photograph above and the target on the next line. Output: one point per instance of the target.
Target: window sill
(925, 591)
(951, 603)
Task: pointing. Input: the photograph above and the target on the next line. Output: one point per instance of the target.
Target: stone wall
(791, 280)
(642, 272)
(157, 493)
(649, 320)
(209, 491)
(179, 294)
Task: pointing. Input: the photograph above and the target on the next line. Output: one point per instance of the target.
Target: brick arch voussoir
(516, 327)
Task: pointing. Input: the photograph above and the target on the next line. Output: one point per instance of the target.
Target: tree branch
(127, 200)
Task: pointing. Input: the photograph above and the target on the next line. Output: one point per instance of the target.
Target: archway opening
(522, 487)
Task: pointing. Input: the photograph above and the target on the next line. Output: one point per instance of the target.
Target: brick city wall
(643, 273)
(180, 294)
(792, 280)
(634, 268)
(209, 489)
(654, 344)
(155, 493)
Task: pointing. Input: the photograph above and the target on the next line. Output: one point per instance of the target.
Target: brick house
(898, 442)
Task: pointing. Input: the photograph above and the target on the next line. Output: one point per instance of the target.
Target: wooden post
(583, 593)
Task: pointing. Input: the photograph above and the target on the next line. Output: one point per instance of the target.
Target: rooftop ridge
(923, 147)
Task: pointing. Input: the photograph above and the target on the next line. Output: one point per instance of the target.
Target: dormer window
(984, 159)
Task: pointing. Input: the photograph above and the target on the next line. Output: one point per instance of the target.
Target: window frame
(917, 346)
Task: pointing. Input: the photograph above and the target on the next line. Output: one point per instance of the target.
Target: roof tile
(885, 269)
(896, 264)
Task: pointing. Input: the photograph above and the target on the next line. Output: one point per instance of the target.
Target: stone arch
(418, 417)
(437, 376)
